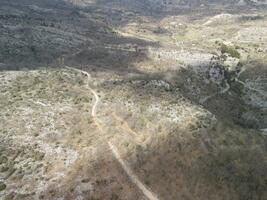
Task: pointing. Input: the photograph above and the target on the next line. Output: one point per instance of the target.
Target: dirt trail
(93, 113)
(132, 176)
(223, 91)
(124, 124)
(247, 86)
(128, 34)
(252, 89)
(114, 150)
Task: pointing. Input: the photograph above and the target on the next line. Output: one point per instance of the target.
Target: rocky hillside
(41, 33)
(116, 100)
(171, 5)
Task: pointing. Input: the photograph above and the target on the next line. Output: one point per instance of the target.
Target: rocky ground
(109, 103)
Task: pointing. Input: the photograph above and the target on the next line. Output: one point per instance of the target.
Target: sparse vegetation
(230, 50)
(179, 92)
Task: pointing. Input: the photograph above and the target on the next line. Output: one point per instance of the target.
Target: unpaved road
(131, 175)
(223, 91)
(150, 195)
(93, 113)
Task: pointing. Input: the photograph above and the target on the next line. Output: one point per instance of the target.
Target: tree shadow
(188, 160)
(221, 161)
(217, 163)
(37, 34)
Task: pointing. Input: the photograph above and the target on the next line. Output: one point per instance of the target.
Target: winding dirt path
(150, 195)
(227, 88)
(246, 85)
(223, 91)
(97, 99)
(252, 89)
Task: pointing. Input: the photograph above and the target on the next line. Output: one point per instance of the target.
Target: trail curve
(125, 167)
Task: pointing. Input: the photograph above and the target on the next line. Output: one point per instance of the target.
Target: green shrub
(230, 50)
